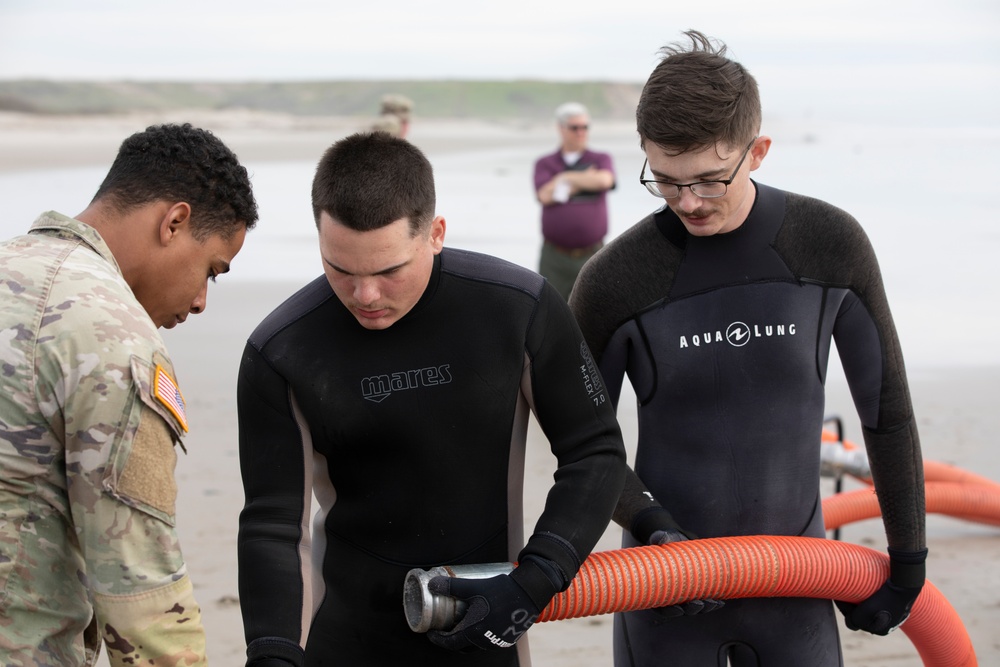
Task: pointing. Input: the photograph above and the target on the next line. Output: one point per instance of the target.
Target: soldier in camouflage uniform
(90, 408)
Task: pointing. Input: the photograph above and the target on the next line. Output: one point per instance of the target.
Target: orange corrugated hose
(780, 566)
(756, 566)
(935, 471)
(972, 502)
(971, 497)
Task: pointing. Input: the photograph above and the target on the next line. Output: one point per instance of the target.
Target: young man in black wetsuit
(397, 389)
(721, 307)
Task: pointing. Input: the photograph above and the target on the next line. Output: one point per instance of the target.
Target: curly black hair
(183, 163)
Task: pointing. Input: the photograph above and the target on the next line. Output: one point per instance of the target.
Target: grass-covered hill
(443, 99)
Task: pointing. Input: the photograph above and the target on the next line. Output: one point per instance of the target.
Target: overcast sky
(941, 54)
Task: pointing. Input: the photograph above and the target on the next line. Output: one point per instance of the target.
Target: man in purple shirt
(572, 186)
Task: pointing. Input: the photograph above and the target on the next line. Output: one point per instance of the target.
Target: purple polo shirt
(583, 220)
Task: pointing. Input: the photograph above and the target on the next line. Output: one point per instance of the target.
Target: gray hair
(569, 109)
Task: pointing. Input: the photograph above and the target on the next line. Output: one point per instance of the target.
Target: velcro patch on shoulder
(166, 392)
(148, 475)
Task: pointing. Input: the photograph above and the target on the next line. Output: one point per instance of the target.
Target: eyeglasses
(577, 128)
(703, 189)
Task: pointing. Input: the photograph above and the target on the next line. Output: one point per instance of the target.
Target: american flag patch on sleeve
(166, 392)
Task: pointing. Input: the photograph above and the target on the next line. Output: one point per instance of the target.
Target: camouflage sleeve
(121, 428)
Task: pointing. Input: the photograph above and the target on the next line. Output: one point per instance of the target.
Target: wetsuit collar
(429, 292)
(673, 229)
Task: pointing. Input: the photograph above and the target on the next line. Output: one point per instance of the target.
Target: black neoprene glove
(656, 526)
(500, 609)
(888, 607)
(275, 652)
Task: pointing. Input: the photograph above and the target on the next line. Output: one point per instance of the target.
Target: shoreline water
(933, 251)
(953, 401)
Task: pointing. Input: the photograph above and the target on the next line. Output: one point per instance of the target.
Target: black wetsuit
(412, 439)
(726, 339)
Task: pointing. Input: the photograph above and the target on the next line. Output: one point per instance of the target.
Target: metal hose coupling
(429, 611)
(836, 459)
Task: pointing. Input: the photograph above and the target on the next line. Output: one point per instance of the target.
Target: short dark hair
(372, 179)
(697, 97)
(182, 163)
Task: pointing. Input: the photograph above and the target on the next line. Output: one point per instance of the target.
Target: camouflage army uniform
(89, 415)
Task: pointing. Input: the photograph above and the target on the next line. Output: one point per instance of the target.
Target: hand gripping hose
(756, 566)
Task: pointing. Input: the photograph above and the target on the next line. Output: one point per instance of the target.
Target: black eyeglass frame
(651, 189)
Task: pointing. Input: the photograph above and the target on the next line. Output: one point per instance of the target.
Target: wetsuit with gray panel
(726, 340)
(412, 439)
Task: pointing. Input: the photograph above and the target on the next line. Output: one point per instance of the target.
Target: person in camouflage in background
(90, 408)
(394, 115)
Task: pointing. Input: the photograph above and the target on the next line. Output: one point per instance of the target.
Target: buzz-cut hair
(371, 179)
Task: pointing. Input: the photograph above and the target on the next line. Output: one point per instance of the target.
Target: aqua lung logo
(377, 388)
(738, 334)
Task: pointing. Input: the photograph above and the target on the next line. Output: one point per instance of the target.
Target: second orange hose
(973, 502)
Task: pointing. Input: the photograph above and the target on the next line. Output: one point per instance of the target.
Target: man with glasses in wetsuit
(721, 308)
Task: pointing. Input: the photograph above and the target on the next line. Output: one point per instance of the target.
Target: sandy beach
(954, 404)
